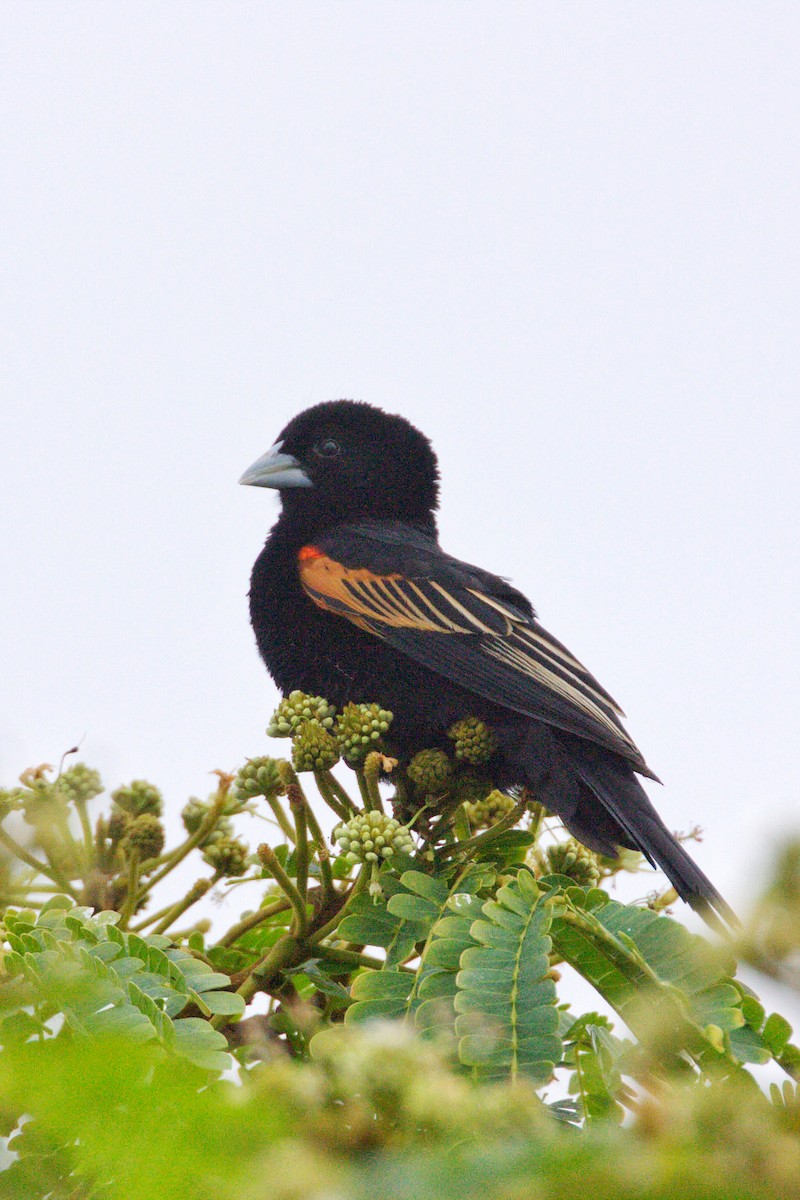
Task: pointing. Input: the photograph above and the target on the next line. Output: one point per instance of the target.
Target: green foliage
(414, 1041)
(65, 962)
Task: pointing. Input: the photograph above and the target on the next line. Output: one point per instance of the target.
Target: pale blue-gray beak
(276, 470)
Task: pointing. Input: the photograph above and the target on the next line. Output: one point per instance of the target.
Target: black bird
(352, 598)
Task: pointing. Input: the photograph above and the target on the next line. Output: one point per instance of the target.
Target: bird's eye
(327, 448)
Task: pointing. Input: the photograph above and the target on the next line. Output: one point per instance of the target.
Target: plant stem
(334, 795)
(538, 814)
(88, 836)
(195, 893)
(356, 890)
(252, 921)
(265, 971)
(177, 855)
(323, 853)
(372, 773)
(131, 897)
(363, 788)
(281, 818)
(40, 868)
(299, 806)
(298, 902)
(350, 957)
(480, 840)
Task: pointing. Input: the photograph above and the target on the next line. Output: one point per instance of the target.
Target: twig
(329, 788)
(13, 846)
(195, 893)
(252, 921)
(270, 860)
(299, 805)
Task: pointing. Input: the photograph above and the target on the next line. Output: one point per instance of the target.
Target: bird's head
(345, 460)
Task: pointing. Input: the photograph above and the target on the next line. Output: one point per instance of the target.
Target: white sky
(560, 237)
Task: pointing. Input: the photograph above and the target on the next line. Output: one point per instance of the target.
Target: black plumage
(352, 598)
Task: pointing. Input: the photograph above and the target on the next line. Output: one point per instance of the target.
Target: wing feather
(444, 614)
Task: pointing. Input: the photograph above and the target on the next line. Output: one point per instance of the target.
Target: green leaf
(380, 995)
(776, 1033)
(653, 972)
(227, 1004)
(507, 1019)
(200, 1044)
(413, 908)
(103, 980)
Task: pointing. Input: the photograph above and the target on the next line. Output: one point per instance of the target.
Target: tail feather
(602, 803)
(625, 801)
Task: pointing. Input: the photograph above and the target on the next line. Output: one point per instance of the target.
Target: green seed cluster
(575, 861)
(139, 797)
(295, 710)
(314, 749)
(117, 825)
(145, 833)
(431, 772)
(475, 742)
(359, 730)
(482, 814)
(227, 855)
(370, 837)
(11, 799)
(258, 777)
(195, 812)
(80, 783)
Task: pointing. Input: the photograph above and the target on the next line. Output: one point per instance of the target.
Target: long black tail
(601, 802)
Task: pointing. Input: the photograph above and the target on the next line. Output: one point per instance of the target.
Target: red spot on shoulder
(306, 553)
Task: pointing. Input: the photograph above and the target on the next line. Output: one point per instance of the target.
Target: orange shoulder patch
(367, 599)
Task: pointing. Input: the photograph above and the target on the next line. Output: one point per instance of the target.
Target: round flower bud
(482, 814)
(145, 833)
(314, 749)
(475, 742)
(79, 783)
(431, 772)
(258, 777)
(575, 861)
(195, 812)
(11, 799)
(359, 730)
(227, 855)
(118, 823)
(371, 837)
(296, 709)
(139, 797)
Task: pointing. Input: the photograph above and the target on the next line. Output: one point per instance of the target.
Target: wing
(471, 627)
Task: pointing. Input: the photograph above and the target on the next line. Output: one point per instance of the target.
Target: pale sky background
(560, 237)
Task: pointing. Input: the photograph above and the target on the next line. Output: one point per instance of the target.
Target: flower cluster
(139, 797)
(359, 730)
(475, 742)
(575, 861)
(258, 777)
(229, 856)
(295, 710)
(79, 784)
(370, 837)
(484, 813)
(314, 748)
(431, 772)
